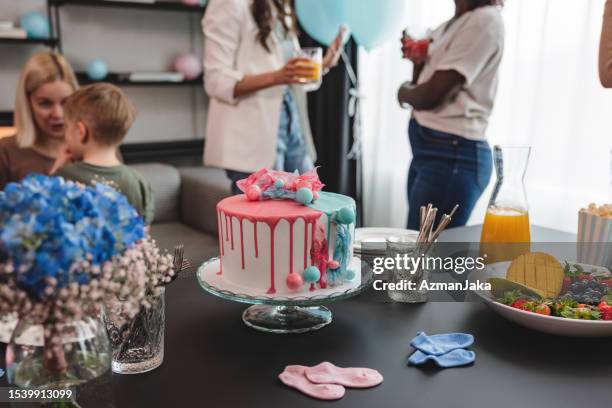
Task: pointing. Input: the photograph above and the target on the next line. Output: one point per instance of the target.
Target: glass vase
(506, 229)
(406, 283)
(138, 344)
(74, 354)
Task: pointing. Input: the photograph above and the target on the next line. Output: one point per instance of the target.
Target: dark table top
(213, 360)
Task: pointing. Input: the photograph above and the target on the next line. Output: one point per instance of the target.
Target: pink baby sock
(294, 377)
(353, 377)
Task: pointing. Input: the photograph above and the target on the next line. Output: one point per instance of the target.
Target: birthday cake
(285, 236)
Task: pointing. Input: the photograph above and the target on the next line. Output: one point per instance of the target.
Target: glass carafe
(505, 233)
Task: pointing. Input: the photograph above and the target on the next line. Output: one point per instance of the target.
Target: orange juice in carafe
(506, 225)
(505, 232)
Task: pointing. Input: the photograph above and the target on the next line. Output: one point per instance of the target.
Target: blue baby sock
(453, 358)
(439, 344)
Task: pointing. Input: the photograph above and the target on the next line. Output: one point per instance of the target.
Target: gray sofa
(185, 200)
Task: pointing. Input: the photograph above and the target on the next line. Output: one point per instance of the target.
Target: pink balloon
(189, 65)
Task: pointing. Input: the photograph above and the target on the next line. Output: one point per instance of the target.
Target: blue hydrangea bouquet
(69, 250)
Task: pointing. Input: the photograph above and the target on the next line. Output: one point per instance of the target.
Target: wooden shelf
(164, 152)
(122, 79)
(158, 5)
(29, 41)
(6, 118)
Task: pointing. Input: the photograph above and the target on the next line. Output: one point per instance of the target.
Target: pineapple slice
(539, 271)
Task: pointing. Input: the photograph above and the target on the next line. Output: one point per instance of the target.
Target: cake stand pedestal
(283, 315)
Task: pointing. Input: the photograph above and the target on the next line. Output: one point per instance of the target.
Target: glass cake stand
(284, 315)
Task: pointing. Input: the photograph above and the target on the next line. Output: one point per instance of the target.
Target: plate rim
(487, 297)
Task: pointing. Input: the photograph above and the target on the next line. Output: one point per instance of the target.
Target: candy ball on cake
(312, 274)
(345, 216)
(349, 275)
(295, 281)
(304, 195)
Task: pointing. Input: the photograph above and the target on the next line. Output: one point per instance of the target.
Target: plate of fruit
(539, 292)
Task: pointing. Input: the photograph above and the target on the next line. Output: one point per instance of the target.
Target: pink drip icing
(226, 228)
(232, 232)
(272, 290)
(305, 243)
(312, 243)
(255, 239)
(290, 247)
(241, 244)
(220, 233)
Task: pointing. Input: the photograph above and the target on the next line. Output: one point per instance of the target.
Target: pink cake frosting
(280, 246)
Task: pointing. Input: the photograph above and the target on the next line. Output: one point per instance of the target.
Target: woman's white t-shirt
(473, 46)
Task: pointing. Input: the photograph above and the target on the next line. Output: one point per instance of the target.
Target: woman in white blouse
(452, 94)
(257, 114)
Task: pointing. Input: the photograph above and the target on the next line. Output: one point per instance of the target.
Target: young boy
(97, 119)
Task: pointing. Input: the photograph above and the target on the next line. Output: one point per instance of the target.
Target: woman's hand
(295, 71)
(332, 55)
(414, 50)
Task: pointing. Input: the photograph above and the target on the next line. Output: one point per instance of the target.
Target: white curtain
(549, 97)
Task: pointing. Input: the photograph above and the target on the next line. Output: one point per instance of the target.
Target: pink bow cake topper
(268, 184)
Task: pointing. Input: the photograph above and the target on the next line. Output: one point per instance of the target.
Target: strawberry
(606, 314)
(542, 309)
(584, 277)
(518, 303)
(603, 305)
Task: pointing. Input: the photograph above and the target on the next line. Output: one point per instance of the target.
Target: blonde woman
(45, 83)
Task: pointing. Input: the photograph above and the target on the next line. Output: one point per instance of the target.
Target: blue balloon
(35, 24)
(375, 22)
(322, 19)
(97, 70)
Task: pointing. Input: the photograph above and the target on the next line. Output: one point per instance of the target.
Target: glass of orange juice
(314, 55)
(506, 230)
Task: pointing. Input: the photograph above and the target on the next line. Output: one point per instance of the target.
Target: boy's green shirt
(124, 179)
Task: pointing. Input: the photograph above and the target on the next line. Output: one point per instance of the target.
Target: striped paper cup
(594, 239)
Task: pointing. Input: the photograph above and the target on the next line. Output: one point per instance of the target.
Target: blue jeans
(291, 149)
(446, 170)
